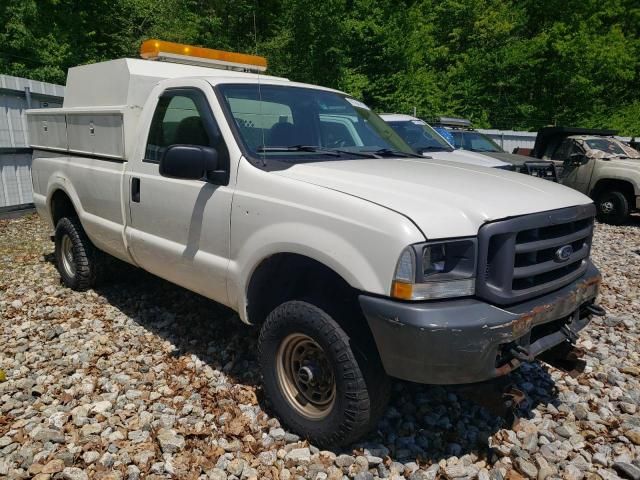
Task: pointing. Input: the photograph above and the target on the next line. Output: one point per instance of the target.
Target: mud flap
(566, 357)
(498, 396)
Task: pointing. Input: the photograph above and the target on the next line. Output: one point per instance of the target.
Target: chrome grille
(519, 257)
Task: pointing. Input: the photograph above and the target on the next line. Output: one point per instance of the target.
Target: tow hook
(521, 353)
(596, 310)
(570, 334)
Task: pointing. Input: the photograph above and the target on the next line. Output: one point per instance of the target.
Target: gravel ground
(142, 379)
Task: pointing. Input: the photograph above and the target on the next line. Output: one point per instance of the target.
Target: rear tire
(299, 341)
(76, 257)
(613, 207)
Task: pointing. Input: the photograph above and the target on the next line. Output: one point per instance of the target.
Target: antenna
(255, 28)
(255, 35)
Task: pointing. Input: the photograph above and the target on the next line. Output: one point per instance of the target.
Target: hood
(599, 154)
(617, 162)
(444, 199)
(512, 158)
(465, 156)
(628, 162)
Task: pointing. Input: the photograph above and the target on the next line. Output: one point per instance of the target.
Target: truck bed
(97, 182)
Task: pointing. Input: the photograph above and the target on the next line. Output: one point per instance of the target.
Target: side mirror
(189, 162)
(577, 159)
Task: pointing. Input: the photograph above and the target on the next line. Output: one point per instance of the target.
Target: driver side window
(563, 151)
(181, 117)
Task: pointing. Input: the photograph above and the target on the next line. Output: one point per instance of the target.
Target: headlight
(436, 270)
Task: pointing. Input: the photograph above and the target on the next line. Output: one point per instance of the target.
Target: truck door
(574, 175)
(179, 229)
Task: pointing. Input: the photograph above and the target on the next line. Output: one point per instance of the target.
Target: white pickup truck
(300, 209)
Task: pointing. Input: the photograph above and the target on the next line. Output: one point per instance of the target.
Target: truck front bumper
(468, 340)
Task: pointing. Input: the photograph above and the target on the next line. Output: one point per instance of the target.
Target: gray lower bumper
(468, 340)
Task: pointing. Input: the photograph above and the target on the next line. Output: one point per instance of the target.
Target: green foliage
(502, 63)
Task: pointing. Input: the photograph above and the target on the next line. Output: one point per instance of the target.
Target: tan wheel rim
(66, 250)
(305, 376)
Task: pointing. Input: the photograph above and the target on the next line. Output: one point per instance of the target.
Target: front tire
(613, 207)
(312, 377)
(76, 257)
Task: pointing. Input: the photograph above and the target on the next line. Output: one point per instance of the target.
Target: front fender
(358, 240)
(611, 170)
(310, 241)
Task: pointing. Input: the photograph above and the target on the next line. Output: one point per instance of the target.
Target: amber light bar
(180, 53)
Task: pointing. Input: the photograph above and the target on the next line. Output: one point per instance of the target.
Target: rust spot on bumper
(587, 288)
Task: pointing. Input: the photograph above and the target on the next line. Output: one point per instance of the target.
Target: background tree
(503, 63)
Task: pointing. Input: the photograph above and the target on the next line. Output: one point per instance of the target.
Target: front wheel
(312, 377)
(613, 207)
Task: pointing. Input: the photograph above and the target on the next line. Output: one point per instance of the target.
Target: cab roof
(397, 117)
(128, 81)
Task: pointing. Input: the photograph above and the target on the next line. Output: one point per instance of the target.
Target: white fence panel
(16, 96)
(15, 179)
(510, 139)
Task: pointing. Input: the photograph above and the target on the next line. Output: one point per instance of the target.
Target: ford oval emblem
(564, 253)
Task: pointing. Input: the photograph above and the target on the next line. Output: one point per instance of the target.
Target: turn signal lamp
(180, 53)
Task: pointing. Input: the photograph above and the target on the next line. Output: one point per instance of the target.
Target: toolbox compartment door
(98, 134)
(48, 130)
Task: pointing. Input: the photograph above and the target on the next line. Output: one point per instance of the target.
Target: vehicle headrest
(283, 134)
(190, 131)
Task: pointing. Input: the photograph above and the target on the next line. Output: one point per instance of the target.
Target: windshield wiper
(301, 148)
(387, 152)
(434, 149)
(356, 152)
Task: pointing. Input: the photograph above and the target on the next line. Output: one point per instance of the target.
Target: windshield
(296, 124)
(605, 145)
(420, 136)
(470, 140)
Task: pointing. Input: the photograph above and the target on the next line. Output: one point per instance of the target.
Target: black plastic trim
(498, 288)
(65, 153)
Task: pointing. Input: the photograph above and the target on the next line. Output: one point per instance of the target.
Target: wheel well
(289, 276)
(624, 187)
(61, 206)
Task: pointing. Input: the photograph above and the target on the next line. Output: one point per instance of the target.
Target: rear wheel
(613, 207)
(313, 378)
(78, 260)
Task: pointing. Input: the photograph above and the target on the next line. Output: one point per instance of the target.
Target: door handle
(135, 189)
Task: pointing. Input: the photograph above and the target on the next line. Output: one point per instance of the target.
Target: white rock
(74, 473)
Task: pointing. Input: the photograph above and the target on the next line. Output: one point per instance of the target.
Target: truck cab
(597, 164)
(303, 211)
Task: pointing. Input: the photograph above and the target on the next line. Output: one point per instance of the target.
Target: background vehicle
(426, 141)
(459, 132)
(299, 208)
(597, 165)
